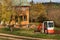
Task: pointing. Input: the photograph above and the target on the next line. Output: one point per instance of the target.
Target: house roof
(20, 3)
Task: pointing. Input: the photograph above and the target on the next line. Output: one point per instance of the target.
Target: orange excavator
(46, 27)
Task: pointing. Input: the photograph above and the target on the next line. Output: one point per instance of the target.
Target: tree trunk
(11, 28)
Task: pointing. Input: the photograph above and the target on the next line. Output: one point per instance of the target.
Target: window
(16, 18)
(50, 24)
(21, 19)
(25, 18)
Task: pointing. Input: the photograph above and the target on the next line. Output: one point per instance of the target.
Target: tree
(53, 11)
(42, 17)
(7, 11)
(0, 11)
(36, 10)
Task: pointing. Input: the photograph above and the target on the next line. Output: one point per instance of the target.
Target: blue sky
(45, 0)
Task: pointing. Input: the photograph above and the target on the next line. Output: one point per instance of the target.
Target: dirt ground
(57, 31)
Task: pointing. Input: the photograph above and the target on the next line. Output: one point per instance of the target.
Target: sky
(45, 0)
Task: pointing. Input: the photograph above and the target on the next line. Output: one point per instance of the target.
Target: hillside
(50, 11)
(53, 12)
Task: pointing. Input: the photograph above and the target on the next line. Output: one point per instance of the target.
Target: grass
(36, 23)
(30, 33)
(57, 28)
(3, 39)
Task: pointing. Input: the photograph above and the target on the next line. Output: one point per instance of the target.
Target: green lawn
(30, 33)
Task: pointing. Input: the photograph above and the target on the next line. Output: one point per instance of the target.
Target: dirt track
(14, 37)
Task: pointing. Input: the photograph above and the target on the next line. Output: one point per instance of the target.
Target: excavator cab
(48, 27)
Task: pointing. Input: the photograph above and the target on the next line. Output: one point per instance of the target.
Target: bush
(42, 18)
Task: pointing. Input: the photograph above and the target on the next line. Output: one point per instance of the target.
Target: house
(21, 7)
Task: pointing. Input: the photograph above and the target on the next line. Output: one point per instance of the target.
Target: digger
(46, 27)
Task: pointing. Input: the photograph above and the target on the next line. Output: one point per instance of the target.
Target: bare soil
(57, 31)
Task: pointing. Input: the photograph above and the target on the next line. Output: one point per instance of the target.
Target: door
(45, 27)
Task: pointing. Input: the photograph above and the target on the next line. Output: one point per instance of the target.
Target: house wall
(22, 11)
(26, 11)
